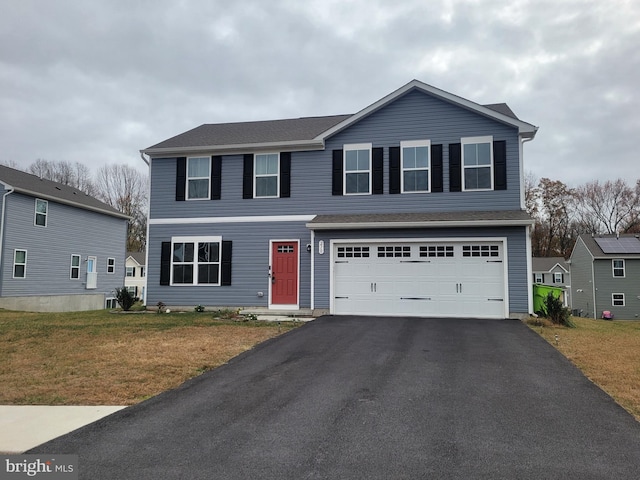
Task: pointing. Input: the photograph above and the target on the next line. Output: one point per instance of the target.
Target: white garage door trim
(504, 312)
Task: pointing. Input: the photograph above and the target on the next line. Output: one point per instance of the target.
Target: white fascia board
(433, 224)
(525, 130)
(63, 201)
(285, 146)
(247, 219)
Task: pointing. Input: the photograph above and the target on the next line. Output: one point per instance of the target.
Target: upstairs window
(130, 271)
(357, 169)
(42, 207)
(558, 277)
(111, 265)
(618, 268)
(415, 165)
(538, 278)
(267, 175)
(198, 178)
(477, 163)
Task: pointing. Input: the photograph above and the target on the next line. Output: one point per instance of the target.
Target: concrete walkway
(25, 426)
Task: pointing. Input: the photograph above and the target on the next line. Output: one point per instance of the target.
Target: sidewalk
(25, 427)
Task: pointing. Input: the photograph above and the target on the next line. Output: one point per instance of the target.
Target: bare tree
(125, 189)
(553, 233)
(609, 207)
(75, 175)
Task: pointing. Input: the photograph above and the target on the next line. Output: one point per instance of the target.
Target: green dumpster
(540, 292)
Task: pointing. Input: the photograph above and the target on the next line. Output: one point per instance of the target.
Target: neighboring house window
(19, 264)
(132, 290)
(357, 169)
(415, 165)
(111, 265)
(198, 178)
(477, 163)
(538, 278)
(142, 272)
(558, 277)
(42, 206)
(130, 271)
(196, 261)
(618, 268)
(617, 299)
(75, 267)
(267, 169)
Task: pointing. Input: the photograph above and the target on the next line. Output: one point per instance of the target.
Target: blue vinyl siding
(69, 231)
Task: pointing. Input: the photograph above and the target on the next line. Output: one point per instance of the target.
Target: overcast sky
(97, 81)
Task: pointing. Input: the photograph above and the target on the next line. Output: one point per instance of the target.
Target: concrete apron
(23, 427)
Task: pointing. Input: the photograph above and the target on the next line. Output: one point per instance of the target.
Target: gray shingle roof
(137, 256)
(243, 133)
(545, 264)
(502, 108)
(401, 220)
(597, 252)
(33, 185)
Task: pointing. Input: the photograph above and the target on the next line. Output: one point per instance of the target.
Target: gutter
(428, 224)
(283, 146)
(4, 203)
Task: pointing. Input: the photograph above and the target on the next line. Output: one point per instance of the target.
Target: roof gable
(35, 186)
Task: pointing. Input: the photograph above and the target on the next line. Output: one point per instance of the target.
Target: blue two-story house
(413, 206)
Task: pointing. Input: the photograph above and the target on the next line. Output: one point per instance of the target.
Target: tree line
(562, 213)
(119, 186)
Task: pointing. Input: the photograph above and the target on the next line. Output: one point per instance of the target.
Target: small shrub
(160, 306)
(125, 299)
(554, 310)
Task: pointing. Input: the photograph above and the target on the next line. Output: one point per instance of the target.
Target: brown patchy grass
(607, 352)
(100, 358)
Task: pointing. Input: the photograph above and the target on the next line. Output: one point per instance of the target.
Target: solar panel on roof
(619, 245)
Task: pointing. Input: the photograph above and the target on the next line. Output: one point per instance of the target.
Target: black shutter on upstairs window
(285, 174)
(336, 179)
(165, 263)
(394, 170)
(247, 176)
(226, 262)
(455, 167)
(436, 168)
(377, 170)
(216, 177)
(181, 178)
(500, 165)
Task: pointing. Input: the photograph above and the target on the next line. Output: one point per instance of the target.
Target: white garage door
(449, 279)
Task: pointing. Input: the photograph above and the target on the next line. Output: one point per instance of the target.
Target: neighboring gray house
(553, 271)
(60, 249)
(412, 206)
(605, 271)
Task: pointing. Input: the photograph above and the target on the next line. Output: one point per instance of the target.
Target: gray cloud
(96, 82)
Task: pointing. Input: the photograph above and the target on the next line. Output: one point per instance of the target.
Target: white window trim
(357, 146)
(187, 178)
(613, 268)
(538, 278)
(133, 272)
(255, 176)
(112, 266)
(468, 140)
(613, 304)
(13, 272)
(78, 267)
(36, 213)
(557, 275)
(195, 241)
(409, 144)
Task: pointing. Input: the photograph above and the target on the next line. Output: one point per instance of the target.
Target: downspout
(146, 250)
(313, 271)
(4, 203)
(528, 229)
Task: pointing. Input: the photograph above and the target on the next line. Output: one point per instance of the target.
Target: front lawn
(102, 358)
(608, 352)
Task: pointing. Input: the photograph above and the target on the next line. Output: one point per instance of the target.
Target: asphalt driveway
(373, 398)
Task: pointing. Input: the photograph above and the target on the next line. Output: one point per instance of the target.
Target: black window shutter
(165, 263)
(216, 177)
(394, 170)
(247, 177)
(336, 184)
(226, 262)
(455, 167)
(436, 168)
(378, 170)
(285, 174)
(181, 178)
(500, 165)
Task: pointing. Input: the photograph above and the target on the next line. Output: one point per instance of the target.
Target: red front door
(284, 273)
